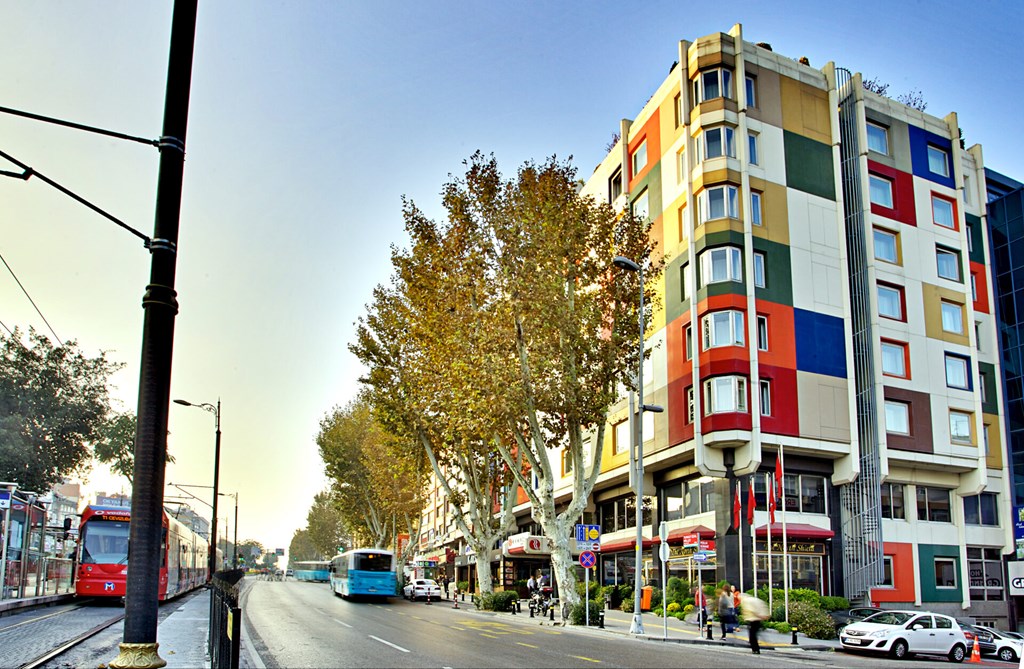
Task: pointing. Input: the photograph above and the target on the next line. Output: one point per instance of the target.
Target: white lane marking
(341, 623)
(387, 643)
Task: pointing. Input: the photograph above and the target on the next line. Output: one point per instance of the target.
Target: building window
(948, 263)
(886, 572)
(938, 161)
(684, 282)
(892, 501)
(687, 498)
(890, 301)
(718, 142)
(933, 504)
(620, 440)
(718, 202)
(689, 343)
(677, 105)
(886, 246)
(985, 571)
(960, 427)
(762, 333)
(752, 148)
(982, 384)
(942, 212)
(640, 206)
(878, 139)
(689, 405)
(956, 372)
(615, 186)
(945, 573)
(759, 269)
(725, 394)
(566, 462)
(766, 397)
(756, 213)
(974, 287)
(897, 417)
(982, 509)
(895, 358)
(952, 317)
(640, 157)
(751, 92)
(812, 494)
(970, 237)
(722, 328)
(721, 264)
(711, 84)
(881, 191)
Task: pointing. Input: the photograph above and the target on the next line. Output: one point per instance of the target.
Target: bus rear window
(372, 562)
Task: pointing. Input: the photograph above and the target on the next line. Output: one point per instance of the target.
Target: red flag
(771, 502)
(737, 508)
(778, 473)
(751, 504)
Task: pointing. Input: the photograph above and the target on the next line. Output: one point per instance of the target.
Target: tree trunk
(484, 580)
(562, 563)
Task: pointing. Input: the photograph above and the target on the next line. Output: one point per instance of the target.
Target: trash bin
(646, 593)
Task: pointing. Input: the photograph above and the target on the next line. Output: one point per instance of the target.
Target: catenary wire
(30, 300)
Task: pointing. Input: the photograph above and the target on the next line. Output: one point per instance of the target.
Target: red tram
(103, 555)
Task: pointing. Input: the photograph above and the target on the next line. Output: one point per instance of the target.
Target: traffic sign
(700, 557)
(664, 553)
(588, 559)
(589, 533)
(5, 499)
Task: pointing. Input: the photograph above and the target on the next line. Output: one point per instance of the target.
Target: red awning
(624, 545)
(798, 530)
(677, 536)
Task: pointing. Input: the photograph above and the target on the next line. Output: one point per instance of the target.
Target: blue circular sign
(588, 559)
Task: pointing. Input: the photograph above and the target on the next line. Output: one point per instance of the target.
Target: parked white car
(904, 633)
(421, 588)
(1008, 649)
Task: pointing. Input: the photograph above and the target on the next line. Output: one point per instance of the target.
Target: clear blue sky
(310, 120)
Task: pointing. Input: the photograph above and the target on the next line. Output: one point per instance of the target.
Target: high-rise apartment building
(826, 316)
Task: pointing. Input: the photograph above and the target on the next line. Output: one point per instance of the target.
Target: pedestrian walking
(725, 610)
(755, 611)
(700, 602)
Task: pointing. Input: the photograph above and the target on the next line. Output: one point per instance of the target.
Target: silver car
(904, 633)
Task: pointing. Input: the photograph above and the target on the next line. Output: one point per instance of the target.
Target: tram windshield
(105, 542)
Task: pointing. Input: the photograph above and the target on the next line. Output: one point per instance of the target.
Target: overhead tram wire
(18, 281)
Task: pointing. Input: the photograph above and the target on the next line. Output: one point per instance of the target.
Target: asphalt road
(293, 624)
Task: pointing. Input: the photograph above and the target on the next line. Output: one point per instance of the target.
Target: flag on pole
(737, 507)
(751, 504)
(778, 473)
(771, 502)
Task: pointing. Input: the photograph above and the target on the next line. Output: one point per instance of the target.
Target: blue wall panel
(820, 347)
(919, 141)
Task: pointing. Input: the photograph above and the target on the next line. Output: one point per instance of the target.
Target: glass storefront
(806, 571)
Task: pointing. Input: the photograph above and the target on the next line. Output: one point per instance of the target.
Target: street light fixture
(637, 626)
(215, 410)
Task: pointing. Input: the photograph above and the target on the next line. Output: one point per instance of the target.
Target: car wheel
(1007, 655)
(957, 653)
(899, 649)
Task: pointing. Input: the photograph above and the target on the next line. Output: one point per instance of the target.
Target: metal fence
(37, 576)
(225, 619)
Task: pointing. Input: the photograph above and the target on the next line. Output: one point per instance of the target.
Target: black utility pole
(139, 648)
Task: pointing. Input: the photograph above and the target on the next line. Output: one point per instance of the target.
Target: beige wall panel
(824, 407)
(775, 214)
(805, 110)
(769, 97)
(931, 298)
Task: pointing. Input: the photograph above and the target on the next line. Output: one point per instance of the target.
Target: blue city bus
(364, 572)
(317, 571)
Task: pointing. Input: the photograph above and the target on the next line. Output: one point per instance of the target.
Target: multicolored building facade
(825, 315)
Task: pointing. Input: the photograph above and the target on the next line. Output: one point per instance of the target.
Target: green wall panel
(778, 268)
(975, 232)
(926, 560)
(809, 166)
(676, 304)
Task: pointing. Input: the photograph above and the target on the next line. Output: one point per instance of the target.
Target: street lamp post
(215, 410)
(637, 626)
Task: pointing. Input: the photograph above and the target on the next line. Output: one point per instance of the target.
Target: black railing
(225, 619)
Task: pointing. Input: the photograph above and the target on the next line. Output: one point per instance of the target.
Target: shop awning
(797, 530)
(624, 545)
(679, 536)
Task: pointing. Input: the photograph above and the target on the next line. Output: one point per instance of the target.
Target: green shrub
(811, 620)
(578, 614)
(463, 586)
(673, 607)
(656, 597)
(681, 616)
(689, 601)
(657, 611)
(778, 626)
(778, 611)
(627, 605)
(625, 594)
(805, 595)
(595, 590)
(497, 601)
(677, 590)
(611, 593)
(834, 603)
(688, 608)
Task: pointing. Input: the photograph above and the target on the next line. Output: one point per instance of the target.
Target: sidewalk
(619, 622)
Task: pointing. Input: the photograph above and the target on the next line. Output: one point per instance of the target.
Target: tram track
(68, 645)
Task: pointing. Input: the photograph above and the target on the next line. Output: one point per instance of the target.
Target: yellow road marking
(551, 632)
(489, 636)
(418, 618)
(528, 645)
(461, 629)
(580, 657)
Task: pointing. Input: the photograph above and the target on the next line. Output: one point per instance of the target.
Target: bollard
(531, 609)
(600, 620)
(711, 632)
(513, 608)
(794, 642)
(428, 598)
(456, 600)
(551, 610)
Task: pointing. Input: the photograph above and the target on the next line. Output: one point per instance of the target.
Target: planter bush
(627, 605)
(497, 601)
(577, 616)
(811, 620)
(673, 607)
(677, 590)
(783, 626)
(834, 603)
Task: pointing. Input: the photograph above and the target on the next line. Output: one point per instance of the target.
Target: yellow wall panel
(805, 110)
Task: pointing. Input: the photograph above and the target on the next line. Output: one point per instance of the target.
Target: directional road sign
(588, 559)
(700, 557)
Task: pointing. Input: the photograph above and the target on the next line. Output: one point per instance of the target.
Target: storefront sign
(1018, 530)
(795, 547)
(527, 544)
(5, 499)
(1015, 570)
